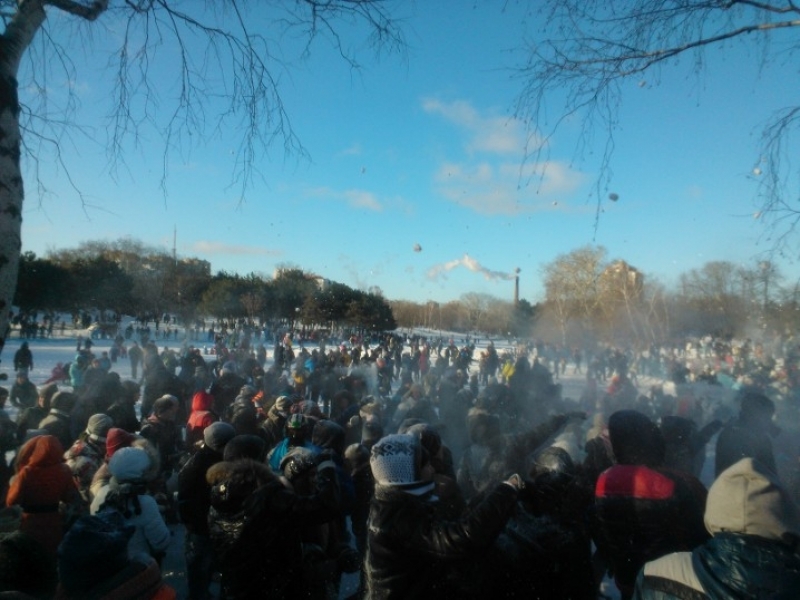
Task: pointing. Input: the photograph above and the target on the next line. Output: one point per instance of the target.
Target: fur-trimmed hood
(232, 482)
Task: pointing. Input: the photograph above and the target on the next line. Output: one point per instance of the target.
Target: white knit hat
(396, 460)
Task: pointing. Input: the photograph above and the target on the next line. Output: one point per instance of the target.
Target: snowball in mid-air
(417, 248)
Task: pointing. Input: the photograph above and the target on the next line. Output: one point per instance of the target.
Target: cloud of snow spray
(473, 265)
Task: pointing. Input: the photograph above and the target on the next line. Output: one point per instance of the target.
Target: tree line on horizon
(587, 297)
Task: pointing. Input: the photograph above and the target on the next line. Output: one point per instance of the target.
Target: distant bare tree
(593, 48)
(217, 50)
(571, 287)
(720, 294)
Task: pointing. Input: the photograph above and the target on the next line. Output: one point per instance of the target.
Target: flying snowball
(555, 202)
(757, 214)
(613, 197)
(417, 248)
(756, 171)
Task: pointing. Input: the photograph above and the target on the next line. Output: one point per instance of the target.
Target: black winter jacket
(255, 523)
(194, 493)
(408, 548)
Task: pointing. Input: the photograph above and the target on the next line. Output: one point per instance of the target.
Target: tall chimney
(516, 286)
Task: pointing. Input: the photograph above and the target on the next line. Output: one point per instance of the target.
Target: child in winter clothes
(127, 493)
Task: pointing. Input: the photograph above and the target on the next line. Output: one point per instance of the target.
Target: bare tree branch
(592, 48)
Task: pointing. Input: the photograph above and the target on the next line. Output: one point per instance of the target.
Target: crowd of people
(425, 468)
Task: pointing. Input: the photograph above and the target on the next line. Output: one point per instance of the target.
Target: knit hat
(98, 427)
(216, 435)
(129, 464)
(396, 461)
(63, 401)
(635, 439)
(117, 438)
(283, 404)
(245, 446)
(748, 498)
(164, 403)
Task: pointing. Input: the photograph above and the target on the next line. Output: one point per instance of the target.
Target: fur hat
(396, 461)
(98, 426)
(218, 434)
(297, 461)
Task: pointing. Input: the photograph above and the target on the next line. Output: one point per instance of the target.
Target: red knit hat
(117, 438)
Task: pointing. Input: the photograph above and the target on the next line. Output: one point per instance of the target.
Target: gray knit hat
(98, 427)
(216, 435)
(396, 461)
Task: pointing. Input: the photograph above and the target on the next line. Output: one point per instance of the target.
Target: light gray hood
(748, 498)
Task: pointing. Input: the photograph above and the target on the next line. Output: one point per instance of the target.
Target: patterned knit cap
(98, 427)
(396, 461)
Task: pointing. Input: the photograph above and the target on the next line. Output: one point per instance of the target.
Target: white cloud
(352, 150)
(493, 135)
(493, 184)
(506, 189)
(354, 198)
(362, 199)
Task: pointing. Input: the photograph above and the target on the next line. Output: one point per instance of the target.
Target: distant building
(622, 277)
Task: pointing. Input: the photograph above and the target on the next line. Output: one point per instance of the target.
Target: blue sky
(415, 181)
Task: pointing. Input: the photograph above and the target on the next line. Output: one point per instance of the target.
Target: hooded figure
(749, 435)
(57, 421)
(42, 481)
(255, 522)
(275, 422)
(644, 510)
(753, 552)
(201, 417)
